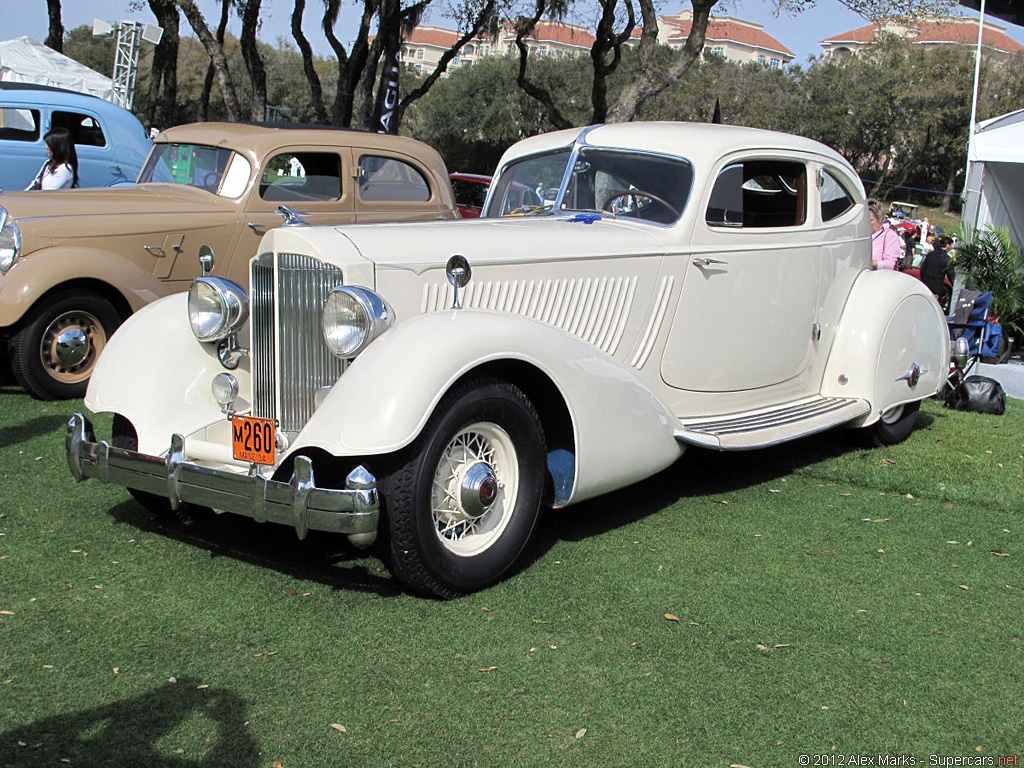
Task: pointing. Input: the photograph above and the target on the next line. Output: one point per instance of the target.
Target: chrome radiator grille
(290, 360)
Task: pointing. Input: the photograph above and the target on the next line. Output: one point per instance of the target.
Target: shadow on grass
(40, 425)
(129, 732)
(322, 557)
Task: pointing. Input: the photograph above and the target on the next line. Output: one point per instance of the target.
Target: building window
(718, 50)
(419, 54)
(542, 51)
(776, 63)
(467, 50)
(762, 59)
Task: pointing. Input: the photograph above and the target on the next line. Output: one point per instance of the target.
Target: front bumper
(299, 503)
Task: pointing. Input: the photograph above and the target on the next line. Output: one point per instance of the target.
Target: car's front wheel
(463, 503)
(54, 351)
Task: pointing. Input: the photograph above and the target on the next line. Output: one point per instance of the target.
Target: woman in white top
(60, 171)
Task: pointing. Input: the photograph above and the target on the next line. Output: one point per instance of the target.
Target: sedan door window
(388, 179)
(759, 194)
(302, 177)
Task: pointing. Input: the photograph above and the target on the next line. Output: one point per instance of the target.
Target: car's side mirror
(206, 260)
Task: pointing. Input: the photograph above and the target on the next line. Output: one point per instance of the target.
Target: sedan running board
(768, 426)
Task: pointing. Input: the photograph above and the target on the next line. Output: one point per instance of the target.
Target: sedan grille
(290, 360)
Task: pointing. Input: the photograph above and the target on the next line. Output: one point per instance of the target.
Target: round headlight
(216, 308)
(352, 318)
(10, 245)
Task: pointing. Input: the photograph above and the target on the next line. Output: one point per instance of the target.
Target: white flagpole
(977, 78)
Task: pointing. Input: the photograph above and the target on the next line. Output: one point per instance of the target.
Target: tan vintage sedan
(74, 264)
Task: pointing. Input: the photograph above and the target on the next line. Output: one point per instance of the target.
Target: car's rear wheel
(54, 351)
(893, 426)
(462, 505)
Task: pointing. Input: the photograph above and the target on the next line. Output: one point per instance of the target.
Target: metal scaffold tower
(128, 37)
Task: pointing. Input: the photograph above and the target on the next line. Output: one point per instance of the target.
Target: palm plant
(993, 262)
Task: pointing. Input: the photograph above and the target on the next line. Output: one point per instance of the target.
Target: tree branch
(216, 53)
(315, 88)
(524, 27)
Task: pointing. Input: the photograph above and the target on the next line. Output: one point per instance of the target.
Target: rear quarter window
(389, 179)
(835, 200)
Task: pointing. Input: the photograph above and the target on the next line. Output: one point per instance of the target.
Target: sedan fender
(622, 432)
(891, 346)
(41, 271)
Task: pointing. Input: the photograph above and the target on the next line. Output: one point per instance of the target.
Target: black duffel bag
(978, 394)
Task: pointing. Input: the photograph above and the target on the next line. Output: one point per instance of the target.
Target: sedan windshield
(614, 182)
(190, 164)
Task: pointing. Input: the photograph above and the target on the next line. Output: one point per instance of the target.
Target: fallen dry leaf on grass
(671, 617)
(6, 613)
(737, 765)
(888, 462)
(277, 764)
(763, 648)
(998, 553)
(201, 687)
(964, 587)
(581, 733)
(485, 609)
(339, 728)
(487, 669)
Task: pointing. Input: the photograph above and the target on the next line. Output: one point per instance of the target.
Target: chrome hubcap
(479, 489)
(71, 346)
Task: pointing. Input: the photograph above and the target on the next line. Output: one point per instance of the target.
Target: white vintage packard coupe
(631, 290)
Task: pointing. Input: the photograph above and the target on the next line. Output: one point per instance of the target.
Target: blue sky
(800, 32)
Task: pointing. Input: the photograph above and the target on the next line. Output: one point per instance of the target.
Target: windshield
(614, 182)
(191, 164)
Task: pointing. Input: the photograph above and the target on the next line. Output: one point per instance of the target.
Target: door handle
(155, 250)
(256, 226)
(699, 262)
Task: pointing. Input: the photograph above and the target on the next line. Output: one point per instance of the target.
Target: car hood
(421, 246)
(26, 207)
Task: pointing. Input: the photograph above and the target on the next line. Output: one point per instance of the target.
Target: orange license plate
(252, 439)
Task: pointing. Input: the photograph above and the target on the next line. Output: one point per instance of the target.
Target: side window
(385, 178)
(759, 193)
(835, 200)
(17, 124)
(302, 176)
(83, 128)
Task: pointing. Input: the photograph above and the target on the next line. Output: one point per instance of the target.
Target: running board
(768, 426)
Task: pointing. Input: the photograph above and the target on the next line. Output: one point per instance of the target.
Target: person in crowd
(909, 248)
(886, 247)
(60, 171)
(936, 267)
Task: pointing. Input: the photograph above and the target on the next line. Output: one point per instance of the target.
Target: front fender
(622, 432)
(39, 272)
(157, 375)
(890, 322)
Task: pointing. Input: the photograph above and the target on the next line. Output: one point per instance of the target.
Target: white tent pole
(977, 78)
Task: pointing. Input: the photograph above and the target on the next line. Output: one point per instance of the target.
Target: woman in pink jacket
(885, 243)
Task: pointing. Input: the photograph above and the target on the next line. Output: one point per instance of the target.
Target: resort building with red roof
(730, 38)
(930, 32)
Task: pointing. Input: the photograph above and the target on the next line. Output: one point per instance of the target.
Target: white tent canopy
(23, 60)
(995, 186)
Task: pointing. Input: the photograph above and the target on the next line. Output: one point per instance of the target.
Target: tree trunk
(350, 67)
(947, 200)
(650, 81)
(537, 92)
(162, 110)
(607, 41)
(250, 10)
(204, 100)
(55, 37)
(315, 88)
(216, 53)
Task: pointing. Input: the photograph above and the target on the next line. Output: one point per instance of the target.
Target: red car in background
(470, 191)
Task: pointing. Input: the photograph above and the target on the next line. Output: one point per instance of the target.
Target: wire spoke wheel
(468, 513)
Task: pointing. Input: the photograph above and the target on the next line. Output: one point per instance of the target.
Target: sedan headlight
(352, 318)
(10, 242)
(216, 308)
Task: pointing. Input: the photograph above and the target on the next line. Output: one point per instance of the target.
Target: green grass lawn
(821, 599)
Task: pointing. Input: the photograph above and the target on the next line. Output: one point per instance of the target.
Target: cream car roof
(701, 143)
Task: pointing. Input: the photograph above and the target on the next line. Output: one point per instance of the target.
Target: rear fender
(889, 323)
(622, 432)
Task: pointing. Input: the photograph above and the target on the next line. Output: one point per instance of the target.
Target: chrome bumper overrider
(298, 503)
